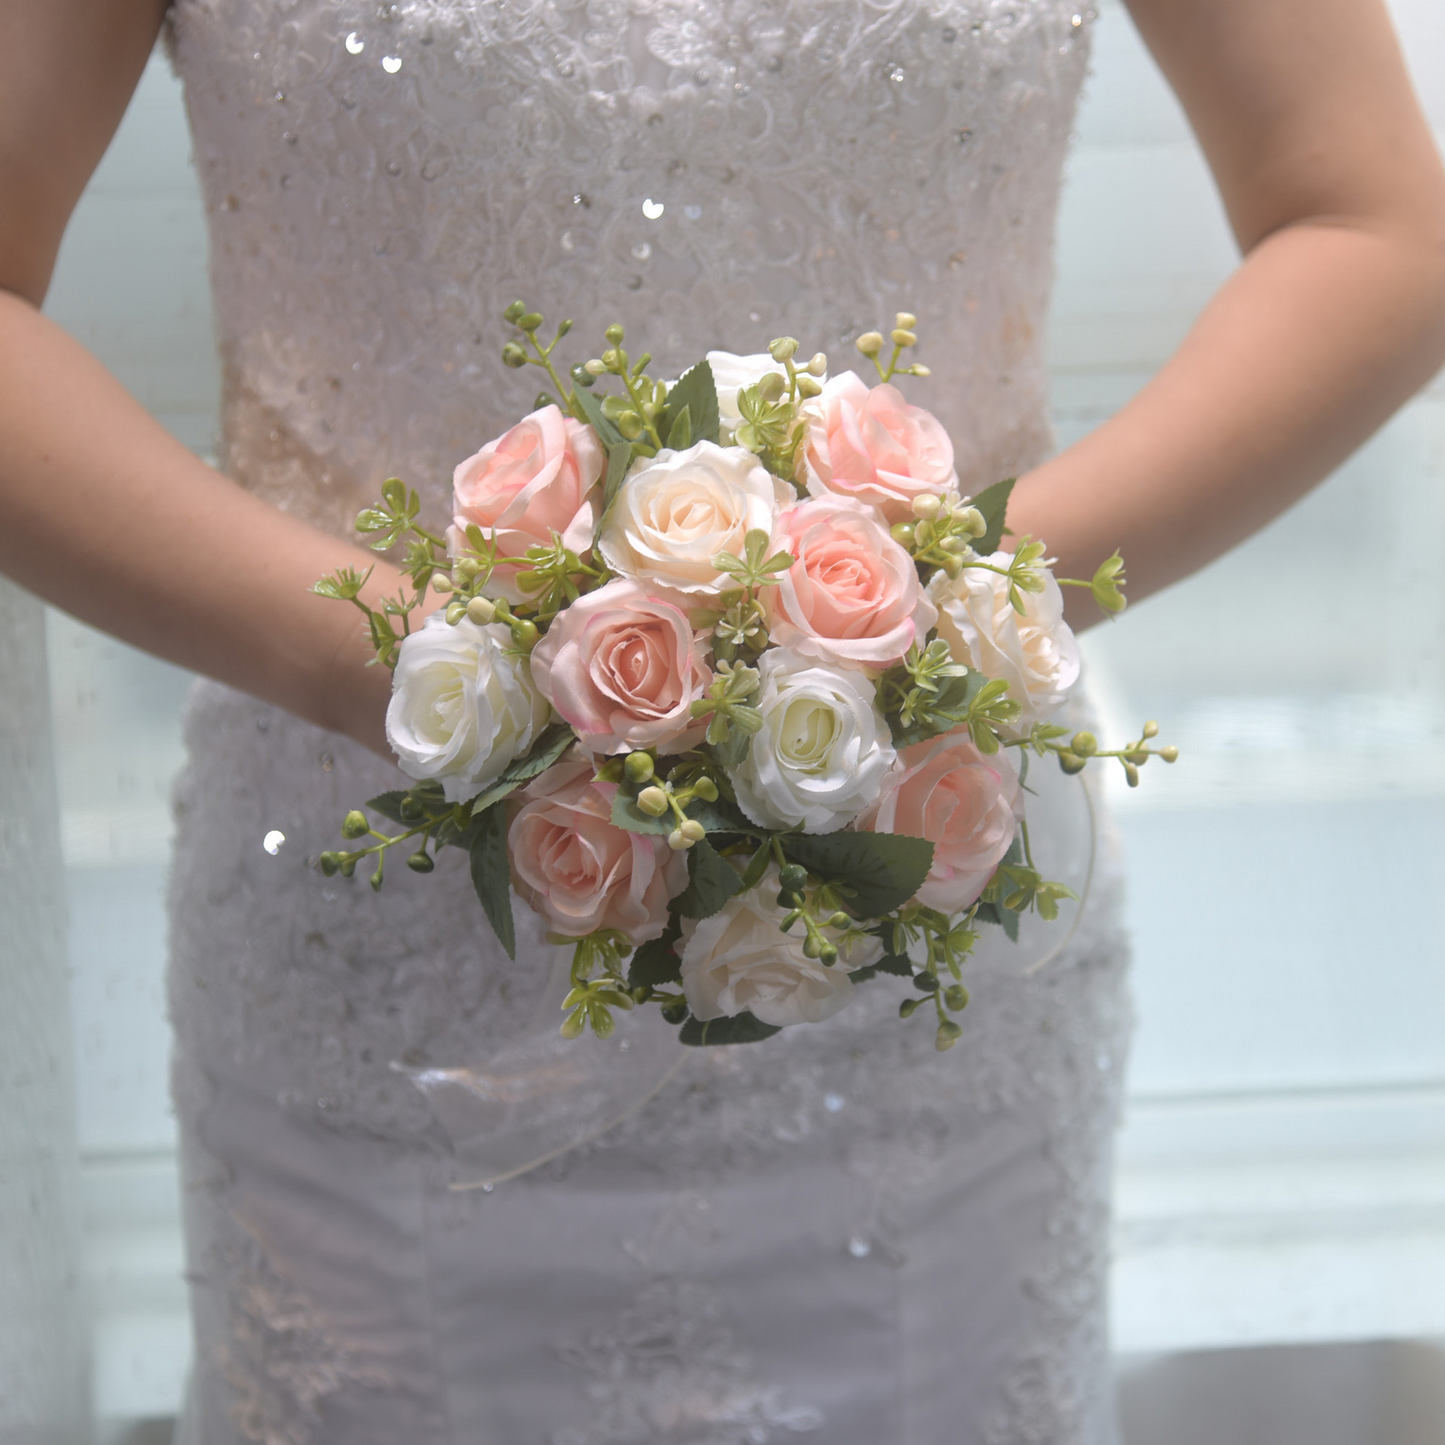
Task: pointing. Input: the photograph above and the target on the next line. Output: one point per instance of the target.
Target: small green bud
(905, 321)
(1169, 754)
(901, 336)
(954, 543)
(1085, 744)
(1138, 756)
(354, 825)
(612, 359)
(652, 801)
(870, 343)
(674, 1010)
(1151, 729)
(467, 568)
(693, 831)
(376, 877)
(771, 388)
(919, 369)
(421, 862)
(817, 364)
(346, 863)
(513, 356)
(630, 425)
(330, 863)
(956, 996)
(564, 328)
(481, 610)
(530, 322)
(828, 954)
(808, 387)
(811, 946)
(614, 334)
(783, 349)
(953, 566)
(455, 612)
(839, 920)
(948, 1034)
(705, 789)
(793, 876)
(640, 768)
(677, 840)
(441, 583)
(790, 898)
(1131, 774)
(909, 1007)
(525, 633)
(902, 533)
(972, 522)
(514, 311)
(926, 506)
(1072, 763)
(594, 368)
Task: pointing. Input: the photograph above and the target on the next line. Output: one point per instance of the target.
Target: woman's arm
(104, 513)
(1336, 196)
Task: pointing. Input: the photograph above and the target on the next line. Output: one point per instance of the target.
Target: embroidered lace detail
(281, 1360)
(670, 1373)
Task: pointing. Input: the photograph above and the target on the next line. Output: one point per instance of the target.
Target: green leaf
(429, 795)
(626, 814)
(992, 502)
(712, 880)
(492, 874)
(893, 963)
(696, 391)
(619, 458)
(592, 404)
(656, 962)
(550, 746)
(740, 1029)
(882, 871)
(679, 434)
(388, 805)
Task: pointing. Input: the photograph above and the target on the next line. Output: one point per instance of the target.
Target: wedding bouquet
(728, 686)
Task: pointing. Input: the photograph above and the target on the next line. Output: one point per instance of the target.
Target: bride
(838, 1231)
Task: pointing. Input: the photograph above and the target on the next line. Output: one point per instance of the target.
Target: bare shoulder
(1303, 107)
(67, 71)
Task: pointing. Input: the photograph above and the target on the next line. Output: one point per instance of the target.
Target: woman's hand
(104, 513)
(1336, 195)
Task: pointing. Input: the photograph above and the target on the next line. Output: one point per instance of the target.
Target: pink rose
(968, 806)
(577, 870)
(874, 446)
(623, 667)
(853, 595)
(540, 478)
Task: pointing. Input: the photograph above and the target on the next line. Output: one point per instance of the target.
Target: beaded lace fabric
(837, 1232)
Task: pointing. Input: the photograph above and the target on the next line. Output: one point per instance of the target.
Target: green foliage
(492, 874)
(656, 962)
(875, 872)
(695, 393)
(626, 814)
(550, 746)
(679, 434)
(993, 503)
(743, 1028)
(712, 880)
(410, 805)
(619, 458)
(755, 568)
(943, 696)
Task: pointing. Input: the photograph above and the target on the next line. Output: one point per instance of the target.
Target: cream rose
(853, 595)
(461, 709)
(1036, 653)
(874, 446)
(739, 961)
(967, 805)
(623, 667)
(731, 374)
(541, 478)
(823, 750)
(677, 510)
(576, 869)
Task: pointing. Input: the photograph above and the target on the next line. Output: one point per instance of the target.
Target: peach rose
(968, 806)
(623, 667)
(539, 479)
(874, 446)
(577, 870)
(853, 595)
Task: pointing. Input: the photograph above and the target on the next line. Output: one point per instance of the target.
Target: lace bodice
(383, 179)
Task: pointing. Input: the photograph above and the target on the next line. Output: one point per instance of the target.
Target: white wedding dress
(837, 1232)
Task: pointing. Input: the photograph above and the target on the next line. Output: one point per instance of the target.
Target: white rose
(739, 961)
(461, 709)
(677, 510)
(1035, 654)
(731, 374)
(823, 750)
